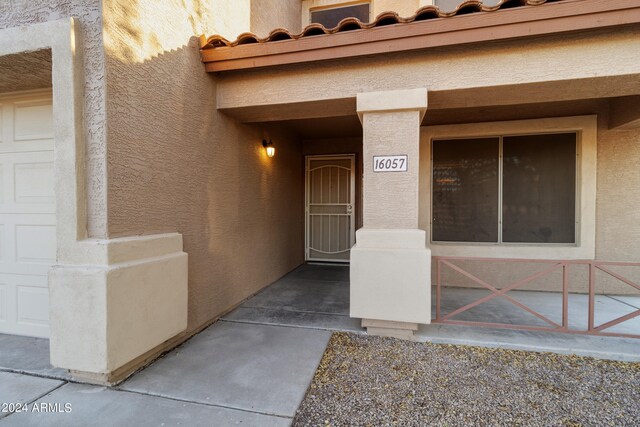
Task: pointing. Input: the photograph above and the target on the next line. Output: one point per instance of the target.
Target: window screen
(329, 18)
(465, 190)
(539, 188)
(527, 195)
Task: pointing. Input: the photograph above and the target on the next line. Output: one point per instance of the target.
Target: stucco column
(390, 263)
(114, 304)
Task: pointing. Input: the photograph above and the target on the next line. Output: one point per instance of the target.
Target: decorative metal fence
(442, 263)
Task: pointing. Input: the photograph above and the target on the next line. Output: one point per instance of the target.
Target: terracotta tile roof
(385, 18)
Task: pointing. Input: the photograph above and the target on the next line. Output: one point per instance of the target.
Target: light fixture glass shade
(271, 150)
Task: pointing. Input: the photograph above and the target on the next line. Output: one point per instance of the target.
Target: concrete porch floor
(254, 366)
(317, 296)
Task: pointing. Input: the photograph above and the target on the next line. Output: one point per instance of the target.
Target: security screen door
(329, 210)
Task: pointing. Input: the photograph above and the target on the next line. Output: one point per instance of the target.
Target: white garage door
(27, 214)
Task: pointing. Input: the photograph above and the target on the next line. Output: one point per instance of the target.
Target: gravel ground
(373, 381)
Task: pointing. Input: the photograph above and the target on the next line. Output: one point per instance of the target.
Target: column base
(115, 377)
(391, 276)
(106, 317)
(385, 328)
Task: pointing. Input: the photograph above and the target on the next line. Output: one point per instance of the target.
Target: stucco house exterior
(141, 199)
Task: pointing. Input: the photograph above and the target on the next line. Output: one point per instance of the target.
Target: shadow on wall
(176, 164)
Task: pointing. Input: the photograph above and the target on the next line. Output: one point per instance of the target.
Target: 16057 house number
(390, 163)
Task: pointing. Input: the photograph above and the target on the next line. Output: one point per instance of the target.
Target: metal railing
(553, 265)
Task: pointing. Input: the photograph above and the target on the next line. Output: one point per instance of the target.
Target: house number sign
(390, 163)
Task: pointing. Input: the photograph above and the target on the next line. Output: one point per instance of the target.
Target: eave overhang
(515, 23)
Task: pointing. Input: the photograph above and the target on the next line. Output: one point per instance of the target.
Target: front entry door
(329, 210)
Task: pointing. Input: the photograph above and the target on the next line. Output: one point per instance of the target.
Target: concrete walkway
(231, 373)
(253, 366)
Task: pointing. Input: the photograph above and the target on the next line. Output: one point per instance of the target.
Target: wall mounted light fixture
(268, 146)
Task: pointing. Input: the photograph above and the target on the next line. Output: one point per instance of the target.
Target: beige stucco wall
(15, 13)
(466, 84)
(504, 73)
(230, 19)
(176, 164)
(618, 202)
(267, 15)
(391, 199)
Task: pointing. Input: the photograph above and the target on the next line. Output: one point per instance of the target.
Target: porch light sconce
(268, 146)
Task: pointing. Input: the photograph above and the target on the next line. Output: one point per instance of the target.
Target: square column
(390, 263)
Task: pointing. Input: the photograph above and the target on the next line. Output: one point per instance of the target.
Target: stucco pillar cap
(392, 100)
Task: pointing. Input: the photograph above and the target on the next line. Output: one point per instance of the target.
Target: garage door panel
(26, 147)
(27, 177)
(27, 243)
(33, 183)
(3, 182)
(35, 208)
(8, 304)
(33, 305)
(33, 121)
(36, 244)
(18, 136)
(4, 295)
(25, 304)
(27, 215)
(26, 269)
(27, 183)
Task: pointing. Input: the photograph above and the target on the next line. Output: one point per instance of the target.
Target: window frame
(585, 128)
(500, 194)
(339, 5)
